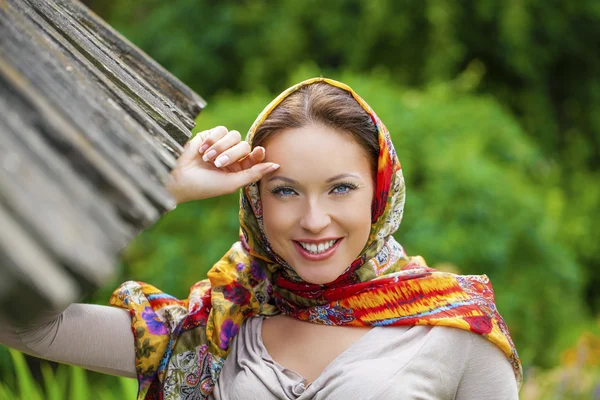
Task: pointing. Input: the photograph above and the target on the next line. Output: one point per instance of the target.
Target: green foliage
(26, 388)
(67, 382)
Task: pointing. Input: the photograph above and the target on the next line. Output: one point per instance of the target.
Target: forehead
(316, 149)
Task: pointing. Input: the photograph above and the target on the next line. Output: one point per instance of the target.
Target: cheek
(355, 217)
(277, 219)
(362, 221)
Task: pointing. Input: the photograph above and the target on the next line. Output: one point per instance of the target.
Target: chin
(317, 277)
(321, 272)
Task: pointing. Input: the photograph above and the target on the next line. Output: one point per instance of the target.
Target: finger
(254, 174)
(229, 140)
(235, 167)
(212, 136)
(191, 148)
(255, 157)
(193, 145)
(232, 155)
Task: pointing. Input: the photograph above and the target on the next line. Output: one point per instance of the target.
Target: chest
(382, 363)
(307, 348)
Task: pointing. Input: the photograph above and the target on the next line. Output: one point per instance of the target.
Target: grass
(67, 382)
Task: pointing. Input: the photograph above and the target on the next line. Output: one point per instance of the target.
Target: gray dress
(417, 362)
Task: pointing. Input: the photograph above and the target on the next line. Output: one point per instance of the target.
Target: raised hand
(216, 162)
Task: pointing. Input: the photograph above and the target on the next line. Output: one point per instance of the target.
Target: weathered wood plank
(90, 128)
(48, 198)
(155, 105)
(71, 60)
(158, 77)
(74, 166)
(82, 101)
(25, 266)
(43, 122)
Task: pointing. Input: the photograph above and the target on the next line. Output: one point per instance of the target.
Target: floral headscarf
(181, 345)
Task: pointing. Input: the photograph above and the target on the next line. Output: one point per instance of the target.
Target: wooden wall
(90, 127)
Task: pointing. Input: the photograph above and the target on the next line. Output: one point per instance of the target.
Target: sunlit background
(493, 107)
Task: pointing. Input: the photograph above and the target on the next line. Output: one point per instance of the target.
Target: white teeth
(316, 249)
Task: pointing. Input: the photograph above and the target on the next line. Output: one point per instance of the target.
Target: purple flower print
(240, 266)
(236, 293)
(155, 326)
(257, 272)
(228, 330)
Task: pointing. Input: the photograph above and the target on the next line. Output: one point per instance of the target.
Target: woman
(317, 300)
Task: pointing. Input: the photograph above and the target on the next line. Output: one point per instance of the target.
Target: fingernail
(203, 148)
(273, 167)
(208, 156)
(221, 160)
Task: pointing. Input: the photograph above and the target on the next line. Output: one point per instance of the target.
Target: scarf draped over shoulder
(181, 345)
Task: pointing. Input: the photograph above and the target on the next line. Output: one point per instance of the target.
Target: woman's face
(317, 205)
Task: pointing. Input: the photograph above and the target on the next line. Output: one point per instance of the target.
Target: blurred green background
(493, 108)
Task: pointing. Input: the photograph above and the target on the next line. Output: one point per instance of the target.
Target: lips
(317, 256)
(319, 247)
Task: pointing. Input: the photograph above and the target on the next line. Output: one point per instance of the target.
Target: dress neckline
(349, 350)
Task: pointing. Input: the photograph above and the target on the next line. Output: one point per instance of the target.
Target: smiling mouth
(315, 248)
(317, 251)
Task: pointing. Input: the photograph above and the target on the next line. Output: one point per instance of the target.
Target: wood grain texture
(90, 128)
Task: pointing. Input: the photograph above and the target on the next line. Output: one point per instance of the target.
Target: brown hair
(321, 103)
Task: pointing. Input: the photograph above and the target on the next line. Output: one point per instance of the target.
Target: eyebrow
(333, 178)
(340, 176)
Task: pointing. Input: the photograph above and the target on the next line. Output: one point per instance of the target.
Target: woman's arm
(488, 374)
(97, 338)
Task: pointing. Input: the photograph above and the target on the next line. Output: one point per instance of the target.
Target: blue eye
(339, 189)
(343, 188)
(283, 191)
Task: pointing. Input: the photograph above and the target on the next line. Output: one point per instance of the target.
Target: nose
(316, 218)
